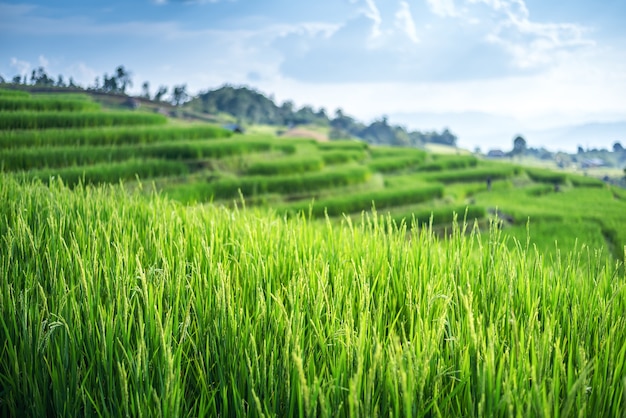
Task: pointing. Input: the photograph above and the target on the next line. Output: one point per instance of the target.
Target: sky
(486, 69)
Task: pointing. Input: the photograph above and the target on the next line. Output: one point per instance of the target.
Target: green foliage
(110, 172)
(32, 158)
(541, 234)
(618, 193)
(291, 165)
(449, 162)
(217, 148)
(573, 205)
(387, 151)
(395, 163)
(546, 176)
(538, 189)
(441, 215)
(583, 181)
(342, 157)
(355, 202)
(473, 174)
(63, 96)
(13, 104)
(243, 103)
(117, 135)
(342, 145)
(116, 305)
(45, 120)
(251, 186)
(248, 105)
(5, 93)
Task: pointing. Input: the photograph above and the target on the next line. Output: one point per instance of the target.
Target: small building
(496, 153)
(592, 163)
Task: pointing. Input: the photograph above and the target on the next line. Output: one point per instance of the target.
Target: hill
(249, 106)
(117, 303)
(47, 136)
(157, 266)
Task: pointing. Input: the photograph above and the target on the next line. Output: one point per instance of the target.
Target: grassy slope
(116, 304)
(212, 169)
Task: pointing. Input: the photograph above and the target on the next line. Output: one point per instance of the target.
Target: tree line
(116, 83)
(248, 106)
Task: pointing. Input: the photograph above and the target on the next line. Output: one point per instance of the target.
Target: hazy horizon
(486, 69)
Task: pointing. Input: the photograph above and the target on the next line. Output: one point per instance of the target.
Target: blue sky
(488, 69)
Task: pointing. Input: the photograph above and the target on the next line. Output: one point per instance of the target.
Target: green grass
(117, 135)
(117, 304)
(342, 157)
(59, 157)
(110, 172)
(440, 215)
(342, 145)
(583, 181)
(475, 174)
(449, 162)
(360, 201)
(6, 93)
(546, 176)
(562, 211)
(257, 185)
(288, 165)
(13, 104)
(71, 119)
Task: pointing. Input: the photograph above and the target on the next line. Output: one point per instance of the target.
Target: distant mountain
(243, 103)
(489, 131)
(587, 135)
(249, 106)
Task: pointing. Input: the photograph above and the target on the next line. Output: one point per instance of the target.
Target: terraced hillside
(47, 136)
(119, 301)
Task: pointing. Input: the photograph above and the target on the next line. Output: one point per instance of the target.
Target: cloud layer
(392, 44)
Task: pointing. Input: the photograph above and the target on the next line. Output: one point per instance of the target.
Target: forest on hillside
(246, 105)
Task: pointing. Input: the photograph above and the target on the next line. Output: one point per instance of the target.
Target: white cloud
(443, 8)
(43, 62)
(405, 22)
(22, 67)
(81, 73)
(372, 12)
(532, 44)
(507, 24)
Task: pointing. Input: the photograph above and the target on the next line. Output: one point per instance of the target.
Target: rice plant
(102, 136)
(71, 119)
(115, 304)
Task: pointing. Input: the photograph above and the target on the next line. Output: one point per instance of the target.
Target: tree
(123, 79)
(519, 145)
(16, 79)
(617, 147)
(446, 138)
(161, 92)
(145, 90)
(109, 84)
(179, 95)
(39, 77)
(60, 81)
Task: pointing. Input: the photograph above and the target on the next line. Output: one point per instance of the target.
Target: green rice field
(158, 268)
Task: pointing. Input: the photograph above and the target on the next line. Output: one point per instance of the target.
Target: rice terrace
(154, 265)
